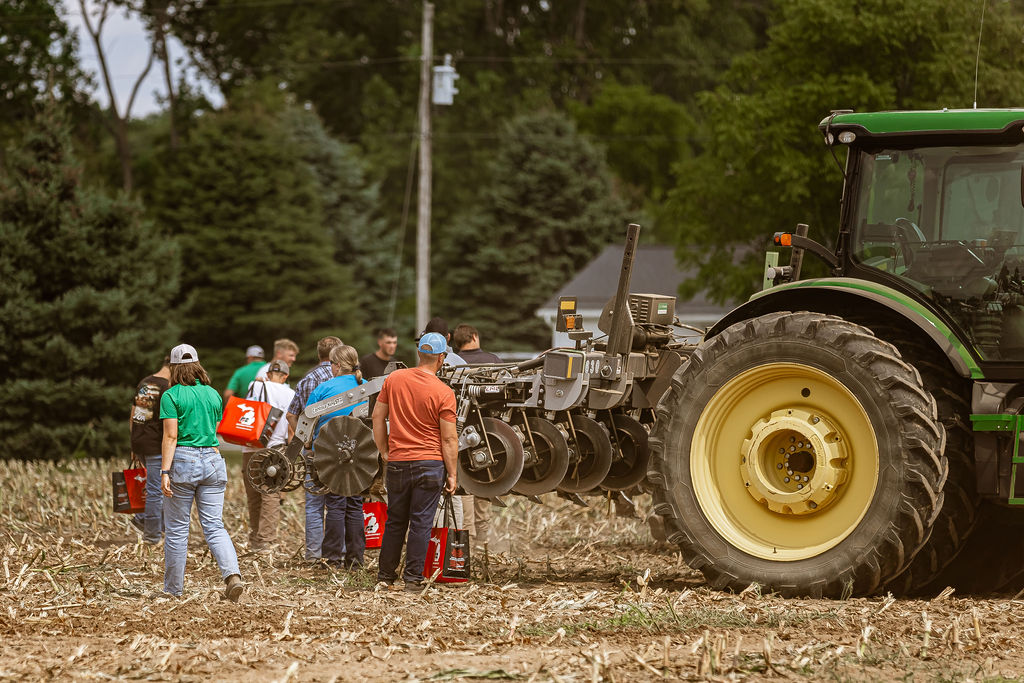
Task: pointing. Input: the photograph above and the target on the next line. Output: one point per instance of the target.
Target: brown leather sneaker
(233, 587)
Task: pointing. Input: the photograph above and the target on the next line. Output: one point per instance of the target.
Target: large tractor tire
(926, 574)
(799, 452)
(992, 559)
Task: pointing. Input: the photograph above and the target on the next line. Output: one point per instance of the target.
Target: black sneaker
(415, 587)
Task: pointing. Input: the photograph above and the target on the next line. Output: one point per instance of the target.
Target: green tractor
(859, 433)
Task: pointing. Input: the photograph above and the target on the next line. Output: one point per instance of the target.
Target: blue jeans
(325, 527)
(152, 519)
(344, 533)
(414, 487)
(196, 474)
(333, 548)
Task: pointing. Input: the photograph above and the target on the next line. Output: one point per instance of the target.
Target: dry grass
(563, 594)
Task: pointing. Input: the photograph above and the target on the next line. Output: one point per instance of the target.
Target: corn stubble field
(564, 594)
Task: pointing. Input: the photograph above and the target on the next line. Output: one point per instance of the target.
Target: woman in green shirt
(193, 469)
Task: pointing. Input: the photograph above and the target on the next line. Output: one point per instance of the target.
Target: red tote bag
(129, 489)
(248, 422)
(375, 515)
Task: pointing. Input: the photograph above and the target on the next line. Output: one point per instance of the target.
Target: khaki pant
(476, 516)
(264, 511)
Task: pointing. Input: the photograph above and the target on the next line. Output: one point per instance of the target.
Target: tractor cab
(934, 204)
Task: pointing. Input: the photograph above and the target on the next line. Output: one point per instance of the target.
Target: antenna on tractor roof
(977, 57)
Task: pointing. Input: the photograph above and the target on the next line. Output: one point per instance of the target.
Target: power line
(374, 61)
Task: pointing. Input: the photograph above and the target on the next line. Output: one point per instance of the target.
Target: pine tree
(85, 291)
(249, 212)
(351, 217)
(547, 211)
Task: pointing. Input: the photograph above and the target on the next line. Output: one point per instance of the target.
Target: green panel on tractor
(1004, 423)
(952, 120)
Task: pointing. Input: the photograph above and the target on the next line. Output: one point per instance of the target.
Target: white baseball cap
(184, 353)
(254, 351)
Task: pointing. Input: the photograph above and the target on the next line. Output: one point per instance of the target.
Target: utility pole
(423, 205)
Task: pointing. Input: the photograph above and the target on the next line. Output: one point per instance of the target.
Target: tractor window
(950, 221)
(982, 198)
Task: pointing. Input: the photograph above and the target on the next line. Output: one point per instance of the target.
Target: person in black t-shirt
(373, 364)
(147, 431)
(466, 342)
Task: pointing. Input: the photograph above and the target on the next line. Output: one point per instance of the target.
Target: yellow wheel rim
(784, 462)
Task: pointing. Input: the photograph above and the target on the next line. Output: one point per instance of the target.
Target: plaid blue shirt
(321, 373)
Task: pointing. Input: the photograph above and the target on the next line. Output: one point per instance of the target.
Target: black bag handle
(449, 509)
(263, 391)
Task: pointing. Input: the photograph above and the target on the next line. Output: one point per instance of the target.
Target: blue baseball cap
(433, 343)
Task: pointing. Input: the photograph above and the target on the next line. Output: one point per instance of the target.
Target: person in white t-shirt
(284, 349)
(265, 508)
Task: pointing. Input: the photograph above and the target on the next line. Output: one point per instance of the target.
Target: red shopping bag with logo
(375, 515)
(248, 422)
(448, 549)
(129, 489)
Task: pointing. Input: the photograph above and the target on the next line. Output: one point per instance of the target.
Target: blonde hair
(347, 358)
(285, 345)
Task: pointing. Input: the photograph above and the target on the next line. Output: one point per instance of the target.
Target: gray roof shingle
(655, 271)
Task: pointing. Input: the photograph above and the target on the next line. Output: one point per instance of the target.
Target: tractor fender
(826, 295)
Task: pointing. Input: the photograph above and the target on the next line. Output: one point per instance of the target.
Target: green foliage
(251, 215)
(362, 240)
(37, 58)
(358, 65)
(764, 167)
(86, 289)
(548, 209)
(645, 135)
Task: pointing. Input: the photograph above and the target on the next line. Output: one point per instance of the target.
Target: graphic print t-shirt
(147, 428)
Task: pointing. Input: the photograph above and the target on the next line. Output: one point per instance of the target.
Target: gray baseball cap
(184, 353)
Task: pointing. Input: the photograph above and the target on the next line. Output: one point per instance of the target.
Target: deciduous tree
(763, 166)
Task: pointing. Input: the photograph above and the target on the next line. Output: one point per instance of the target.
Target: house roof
(655, 271)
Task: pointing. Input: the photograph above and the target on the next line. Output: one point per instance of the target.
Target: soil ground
(563, 593)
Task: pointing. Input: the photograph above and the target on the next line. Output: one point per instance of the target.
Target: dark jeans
(414, 487)
(344, 535)
(333, 548)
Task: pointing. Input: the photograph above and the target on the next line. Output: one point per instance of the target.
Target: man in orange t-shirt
(420, 451)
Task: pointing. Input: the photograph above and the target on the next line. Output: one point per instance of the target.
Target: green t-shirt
(197, 408)
(239, 382)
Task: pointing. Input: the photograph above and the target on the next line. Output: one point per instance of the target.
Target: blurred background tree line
(286, 210)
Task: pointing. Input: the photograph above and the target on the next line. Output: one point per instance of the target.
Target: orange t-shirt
(416, 402)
